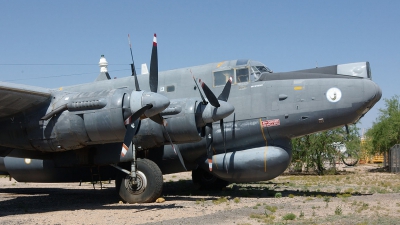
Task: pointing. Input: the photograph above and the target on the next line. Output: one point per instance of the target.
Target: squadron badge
(334, 94)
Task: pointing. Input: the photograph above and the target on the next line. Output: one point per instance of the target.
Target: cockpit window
(256, 72)
(263, 69)
(242, 75)
(221, 77)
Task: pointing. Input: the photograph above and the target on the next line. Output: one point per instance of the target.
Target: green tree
(385, 132)
(319, 150)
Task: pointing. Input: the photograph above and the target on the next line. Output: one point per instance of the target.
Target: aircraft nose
(372, 92)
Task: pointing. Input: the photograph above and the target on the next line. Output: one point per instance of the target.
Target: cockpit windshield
(241, 71)
(256, 72)
(263, 69)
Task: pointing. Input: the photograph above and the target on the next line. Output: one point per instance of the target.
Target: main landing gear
(145, 187)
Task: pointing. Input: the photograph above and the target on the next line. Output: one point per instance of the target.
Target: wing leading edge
(16, 98)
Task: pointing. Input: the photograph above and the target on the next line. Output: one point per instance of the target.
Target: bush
(338, 211)
(278, 195)
(289, 216)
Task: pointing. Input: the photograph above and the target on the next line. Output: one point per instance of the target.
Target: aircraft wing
(15, 98)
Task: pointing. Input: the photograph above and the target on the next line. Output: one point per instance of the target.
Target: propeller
(142, 102)
(218, 110)
(153, 83)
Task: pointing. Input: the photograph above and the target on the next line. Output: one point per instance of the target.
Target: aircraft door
(270, 115)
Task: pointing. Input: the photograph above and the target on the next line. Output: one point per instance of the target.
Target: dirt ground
(358, 195)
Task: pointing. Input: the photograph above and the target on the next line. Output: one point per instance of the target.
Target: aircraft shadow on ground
(24, 200)
(185, 190)
(38, 200)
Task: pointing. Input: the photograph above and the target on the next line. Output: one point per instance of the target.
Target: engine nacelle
(257, 164)
(88, 118)
(181, 126)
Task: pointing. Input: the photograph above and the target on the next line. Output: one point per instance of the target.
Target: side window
(170, 88)
(221, 77)
(242, 75)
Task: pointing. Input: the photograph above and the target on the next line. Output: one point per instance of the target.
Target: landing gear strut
(147, 186)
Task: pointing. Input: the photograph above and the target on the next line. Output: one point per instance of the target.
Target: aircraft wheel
(207, 181)
(350, 159)
(149, 183)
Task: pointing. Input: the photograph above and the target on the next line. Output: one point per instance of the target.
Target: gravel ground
(359, 195)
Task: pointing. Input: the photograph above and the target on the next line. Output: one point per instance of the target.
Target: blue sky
(285, 35)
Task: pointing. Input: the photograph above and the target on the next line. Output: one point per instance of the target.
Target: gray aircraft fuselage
(270, 108)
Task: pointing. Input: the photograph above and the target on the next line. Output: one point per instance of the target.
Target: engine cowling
(88, 118)
(181, 126)
(185, 120)
(91, 123)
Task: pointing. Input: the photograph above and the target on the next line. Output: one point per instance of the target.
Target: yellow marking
(262, 131)
(265, 159)
(61, 88)
(298, 88)
(220, 64)
(215, 161)
(266, 146)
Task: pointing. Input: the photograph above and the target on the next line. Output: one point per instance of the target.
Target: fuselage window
(221, 77)
(170, 88)
(242, 75)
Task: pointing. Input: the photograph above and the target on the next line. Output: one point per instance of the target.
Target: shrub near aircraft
(75, 133)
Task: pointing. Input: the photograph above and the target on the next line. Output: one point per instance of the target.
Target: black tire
(349, 160)
(205, 180)
(149, 187)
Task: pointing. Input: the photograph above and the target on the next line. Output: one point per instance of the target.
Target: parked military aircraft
(75, 133)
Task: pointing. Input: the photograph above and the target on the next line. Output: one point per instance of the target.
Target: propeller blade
(209, 141)
(153, 78)
(136, 80)
(133, 65)
(130, 128)
(140, 112)
(202, 97)
(178, 152)
(210, 95)
(130, 132)
(174, 147)
(158, 119)
(221, 126)
(227, 89)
